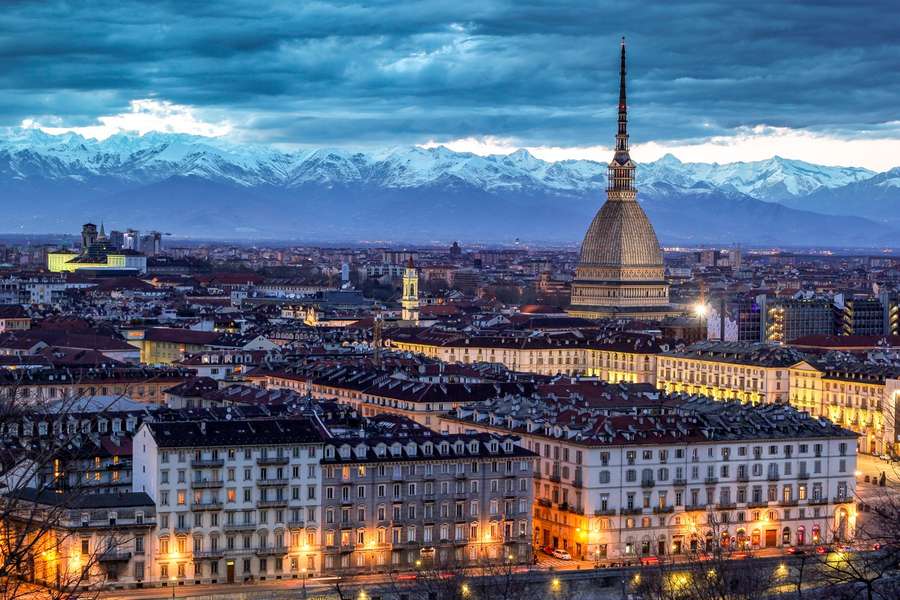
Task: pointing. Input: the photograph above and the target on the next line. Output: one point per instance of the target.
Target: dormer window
(329, 452)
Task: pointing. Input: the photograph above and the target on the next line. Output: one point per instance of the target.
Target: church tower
(410, 299)
(620, 270)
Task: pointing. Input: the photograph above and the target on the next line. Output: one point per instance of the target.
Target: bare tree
(40, 550)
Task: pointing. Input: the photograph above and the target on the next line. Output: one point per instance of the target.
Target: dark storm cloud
(542, 72)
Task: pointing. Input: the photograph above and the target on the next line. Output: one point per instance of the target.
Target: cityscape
(385, 335)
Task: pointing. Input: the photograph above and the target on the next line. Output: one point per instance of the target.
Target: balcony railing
(647, 483)
(711, 480)
(272, 551)
(114, 556)
(272, 482)
(631, 511)
(745, 478)
(208, 463)
(680, 482)
(272, 460)
(208, 554)
(609, 512)
(663, 509)
(803, 475)
(207, 505)
(272, 503)
(207, 484)
(240, 526)
(296, 524)
(773, 477)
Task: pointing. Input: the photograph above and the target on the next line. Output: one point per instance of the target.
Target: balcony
(711, 480)
(803, 475)
(208, 554)
(272, 503)
(296, 525)
(726, 506)
(792, 502)
(647, 483)
(272, 551)
(114, 556)
(842, 500)
(239, 527)
(820, 501)
(272, 482)
(536, 474)
(679, 482)
(545, 502)
(267, 461)
(657, 510)
(207, 484)
(609, 512)
(208, 463)
(772, 477)
(206, 505)
(631, 511)
(693, 507)
(578, 483)
(555, 478)
(743, 478)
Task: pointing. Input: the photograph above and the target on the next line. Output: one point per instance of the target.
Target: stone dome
(620, 236)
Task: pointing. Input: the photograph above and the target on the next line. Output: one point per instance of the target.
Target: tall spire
(622, 134)
(621, 169)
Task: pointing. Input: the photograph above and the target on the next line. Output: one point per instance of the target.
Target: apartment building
(855, 395)
(237, 501)
(85, 539)
(373, 391)
(643, 481)
(401, 499)
(757, 373)
(616, 357)
(51, 384)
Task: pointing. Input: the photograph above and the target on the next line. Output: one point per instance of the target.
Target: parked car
(548, 550)
(562, 554)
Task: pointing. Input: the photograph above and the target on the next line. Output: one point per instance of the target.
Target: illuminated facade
(425, 500)
(97, 253)
(410, 298)
(860, 397)
(620, 360)
(167, 345)
(620, 487)
(235, 501)
(93, 539)
(749, 372)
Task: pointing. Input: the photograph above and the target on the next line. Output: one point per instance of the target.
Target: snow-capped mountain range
(218, 188)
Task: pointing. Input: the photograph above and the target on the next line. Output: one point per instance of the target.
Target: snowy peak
(153, 157)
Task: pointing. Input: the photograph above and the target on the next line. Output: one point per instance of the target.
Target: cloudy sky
(709, 80)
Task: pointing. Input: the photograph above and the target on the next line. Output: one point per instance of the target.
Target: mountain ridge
(61, 180)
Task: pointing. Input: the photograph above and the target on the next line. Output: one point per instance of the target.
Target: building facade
(619, 487)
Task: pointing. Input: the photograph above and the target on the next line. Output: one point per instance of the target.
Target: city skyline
(807, 81)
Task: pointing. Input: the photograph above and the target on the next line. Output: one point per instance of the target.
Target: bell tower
(410, 299)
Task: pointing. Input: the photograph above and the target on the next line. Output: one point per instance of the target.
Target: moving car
(562, 554)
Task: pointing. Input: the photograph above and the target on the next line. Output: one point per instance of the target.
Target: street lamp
(172, 579)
